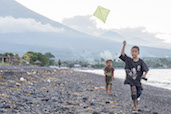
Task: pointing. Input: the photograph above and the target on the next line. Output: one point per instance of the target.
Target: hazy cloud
(19, 25)
(134, 36)
(106, 55)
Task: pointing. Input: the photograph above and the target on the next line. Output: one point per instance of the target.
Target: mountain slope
(16, 10)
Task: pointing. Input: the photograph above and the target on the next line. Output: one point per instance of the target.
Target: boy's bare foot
(134, 111)
(110, 93)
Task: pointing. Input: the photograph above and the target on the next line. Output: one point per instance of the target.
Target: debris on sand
(96, 88)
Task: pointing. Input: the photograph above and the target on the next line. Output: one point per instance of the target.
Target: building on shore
(8, 59)
(77, 66)
(37, 62)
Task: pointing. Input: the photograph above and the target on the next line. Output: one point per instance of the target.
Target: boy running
(109, 75)
(135, 69)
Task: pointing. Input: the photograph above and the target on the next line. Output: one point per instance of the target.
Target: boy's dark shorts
(109, 80)
(135, 92)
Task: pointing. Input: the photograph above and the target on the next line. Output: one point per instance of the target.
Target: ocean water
(156, 77)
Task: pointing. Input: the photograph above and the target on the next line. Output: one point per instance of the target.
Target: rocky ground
(29, 90)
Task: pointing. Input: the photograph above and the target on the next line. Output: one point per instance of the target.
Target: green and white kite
(101, 13)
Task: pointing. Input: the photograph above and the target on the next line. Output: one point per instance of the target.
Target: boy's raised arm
(123, 48)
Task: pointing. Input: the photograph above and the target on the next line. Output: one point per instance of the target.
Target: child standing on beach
(136, 69)
(109, 75)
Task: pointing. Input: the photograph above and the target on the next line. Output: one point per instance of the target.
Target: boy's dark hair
(109, 60)
(136, 48)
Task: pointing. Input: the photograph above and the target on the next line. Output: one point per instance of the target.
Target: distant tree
(17, 56)
(52, 62)
(7, 53)
(31, 57)
(102, 60)
(96, 61)
(26, 57)
(49, 55)
(51, 58)
(43, 59)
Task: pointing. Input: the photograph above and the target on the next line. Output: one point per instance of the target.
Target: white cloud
(19, 25)
(134, 35)
(138, 36)
(84, 24)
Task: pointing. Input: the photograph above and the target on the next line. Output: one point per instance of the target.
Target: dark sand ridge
(65, 91)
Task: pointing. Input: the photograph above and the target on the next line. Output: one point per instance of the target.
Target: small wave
(166, 83)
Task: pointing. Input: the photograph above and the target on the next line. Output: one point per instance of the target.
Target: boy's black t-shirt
(134, 70)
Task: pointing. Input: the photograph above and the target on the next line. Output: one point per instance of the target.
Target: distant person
(136, 70)
(59, 63)
(109, 75)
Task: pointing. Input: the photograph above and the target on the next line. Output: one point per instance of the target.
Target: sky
(152, 15)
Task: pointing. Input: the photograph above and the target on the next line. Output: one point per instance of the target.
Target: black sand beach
(27, 90)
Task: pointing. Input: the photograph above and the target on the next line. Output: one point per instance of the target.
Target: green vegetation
(48, 59)
(30, 58)
(45, 59)
(7, 53)
(51, 58)
(98, 64)
(72, 63)
(158, 62)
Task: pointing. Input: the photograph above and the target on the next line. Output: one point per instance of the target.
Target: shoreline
(151, 81)
(123, 81)
(66, 91)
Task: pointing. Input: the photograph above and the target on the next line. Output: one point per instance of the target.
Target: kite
(101, 13)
